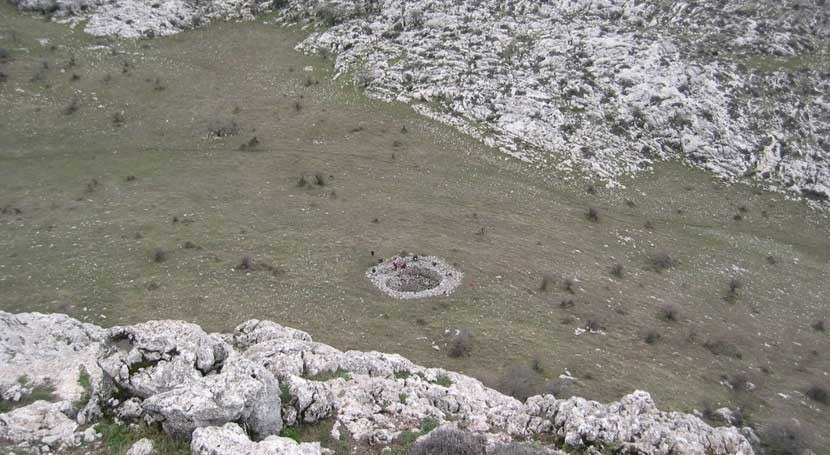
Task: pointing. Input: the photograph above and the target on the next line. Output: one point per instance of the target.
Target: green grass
(118, 438)
(329, 375)
(86, 384)
(291, 433)
(402, 374)
(285, 393)
(41, 392)
(443, 380)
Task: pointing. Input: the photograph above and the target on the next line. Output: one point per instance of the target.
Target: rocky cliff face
(233, 393)
(603, 87)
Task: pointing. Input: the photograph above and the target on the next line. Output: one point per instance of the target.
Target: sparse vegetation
(461, 344)
(547, 282)
(38, 392)
(448, 442)
(720, 347)
(660, 262)
(568, 285)
(784, 438)
(669, 312)
(739, 382)
(617, 270)
(290, 433)
(592, 215)
(159, 255)
(252, 144)
(818, 326)
(86, 384)
(651, 336)
(72, 107)
(443, 380)
(223, 128)
(324, 376)
(118, 438)
(732, 291)
(118, 119)
(518, 382)
(818, 394)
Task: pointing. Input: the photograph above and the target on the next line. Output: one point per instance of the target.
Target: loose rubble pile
(233, 393)
(597, 87)
(414, 277)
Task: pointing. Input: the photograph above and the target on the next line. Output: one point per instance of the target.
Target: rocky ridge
(233, 393)
(599, 87)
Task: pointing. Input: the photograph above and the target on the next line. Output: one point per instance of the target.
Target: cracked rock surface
(199, 386)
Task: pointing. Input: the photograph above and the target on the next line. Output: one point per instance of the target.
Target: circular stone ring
(414, 277)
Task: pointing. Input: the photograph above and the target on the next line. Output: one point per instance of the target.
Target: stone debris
(143, 446)
(198, 385)
(230, 439)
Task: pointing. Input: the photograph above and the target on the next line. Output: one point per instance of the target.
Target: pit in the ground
(414, 279)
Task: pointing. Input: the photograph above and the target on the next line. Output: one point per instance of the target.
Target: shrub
(443, 380)
(592, 215)
(329, 15)
(223, 128)
(188, 245)
(246, 263)
(461, 344)
(536, 363)
(518, 382)
(722, 347)
(771, 260)
(568, 285)
(547, 280)
(784, 438)
(447, 441)
(565, 304)
(651, 336)
(732, 291)
(319, 179)
(818, 326)
(669, 313)
(5, 55)
(818, 394)
(649, 225)
(72, 107)
(738, 382)
(159, 255)
(559, 388)
(660, 262)
(3, 77)
(250, 145)
(617, 270)
(118, 119)
(298, 106)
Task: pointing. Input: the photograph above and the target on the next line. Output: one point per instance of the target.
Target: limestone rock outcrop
(229, 439)
(264, 376)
